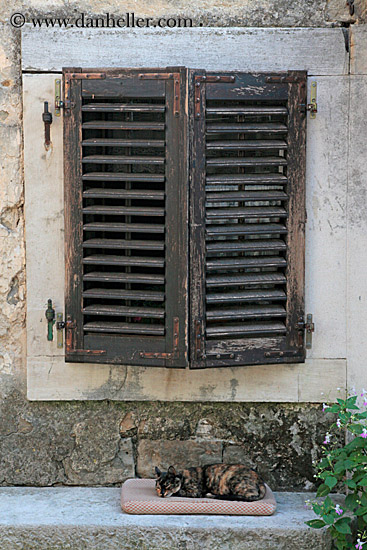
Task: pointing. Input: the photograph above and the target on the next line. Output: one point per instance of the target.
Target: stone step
(78, 518)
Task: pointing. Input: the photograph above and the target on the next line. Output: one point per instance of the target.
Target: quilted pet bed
(138, 496)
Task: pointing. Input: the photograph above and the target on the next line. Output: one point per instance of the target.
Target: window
(148, 284)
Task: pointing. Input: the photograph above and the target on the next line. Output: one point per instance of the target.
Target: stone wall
(104, 442)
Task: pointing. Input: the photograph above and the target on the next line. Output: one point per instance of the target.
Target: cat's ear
(171, 470)
(157, 472)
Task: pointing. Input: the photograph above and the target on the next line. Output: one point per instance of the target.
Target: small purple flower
(363, 392)
(364, 433)
(328, 437)
(365, 403)
(338, 510)
(338, 423)
(324, 406)
(359, 544)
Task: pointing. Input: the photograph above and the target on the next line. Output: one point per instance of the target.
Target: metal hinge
(69, 327)
(165, 355)
(309, 327)
(207, 79)
(176, 86)
(283, 78)
(312, 106)
(66, 104)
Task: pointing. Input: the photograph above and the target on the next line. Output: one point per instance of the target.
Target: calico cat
(223, 481)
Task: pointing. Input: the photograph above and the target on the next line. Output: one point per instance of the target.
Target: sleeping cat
(223, 481)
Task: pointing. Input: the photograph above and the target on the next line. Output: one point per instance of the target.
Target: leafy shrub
(347, 465)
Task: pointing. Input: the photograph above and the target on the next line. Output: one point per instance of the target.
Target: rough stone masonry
(102, 443)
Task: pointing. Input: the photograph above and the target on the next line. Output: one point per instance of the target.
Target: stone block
(180, 453)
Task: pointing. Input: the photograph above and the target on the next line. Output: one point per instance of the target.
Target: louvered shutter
(125, 216)
(247, 218)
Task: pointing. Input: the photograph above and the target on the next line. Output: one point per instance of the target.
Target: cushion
(138, 496)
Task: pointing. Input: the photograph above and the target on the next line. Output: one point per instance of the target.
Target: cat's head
(167, 483)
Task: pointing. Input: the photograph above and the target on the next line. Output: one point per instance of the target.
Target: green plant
(344, 464)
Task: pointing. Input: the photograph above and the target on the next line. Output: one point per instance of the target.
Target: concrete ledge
(79, 518)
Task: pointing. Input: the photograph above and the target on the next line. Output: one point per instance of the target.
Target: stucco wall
(103, 442)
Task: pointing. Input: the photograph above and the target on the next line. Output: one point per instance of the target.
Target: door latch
(47, 119)
(50, 316)
(309, 327)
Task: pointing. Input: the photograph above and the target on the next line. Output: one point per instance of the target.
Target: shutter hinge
(309, 327)
(207, 79)
(176, 86)
(67, 104)
(312, 106)
(165, 355)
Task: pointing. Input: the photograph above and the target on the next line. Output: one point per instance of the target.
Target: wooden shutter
(247, 218)
(125, 216)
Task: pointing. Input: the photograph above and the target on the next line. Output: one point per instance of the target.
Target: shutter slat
(123, 108)
(116, 159)
(135, 261)
(122, 176)
(246, 196)
(245, 329)
(122, 125)
(119, 294)
(146, 194)
(124, 311)
(245, 229)
(124, 244)
(247, 161)
(247, 110)
(250, 279)
(124, 328)
(247, 261)
(109, 142)
(247, 212)
(247, 179)
(138, 278)
(246, 312)
(245, 296)
(124, 210)
(246, 246)
(124, 227)
(246, 144)
(273, 128)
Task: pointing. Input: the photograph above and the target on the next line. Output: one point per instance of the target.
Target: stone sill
(77, 518)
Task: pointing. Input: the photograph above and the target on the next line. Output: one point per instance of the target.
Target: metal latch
(309, 327)
(50, 316)
(47, 119)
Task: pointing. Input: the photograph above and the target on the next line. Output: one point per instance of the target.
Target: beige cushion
(138, 496)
